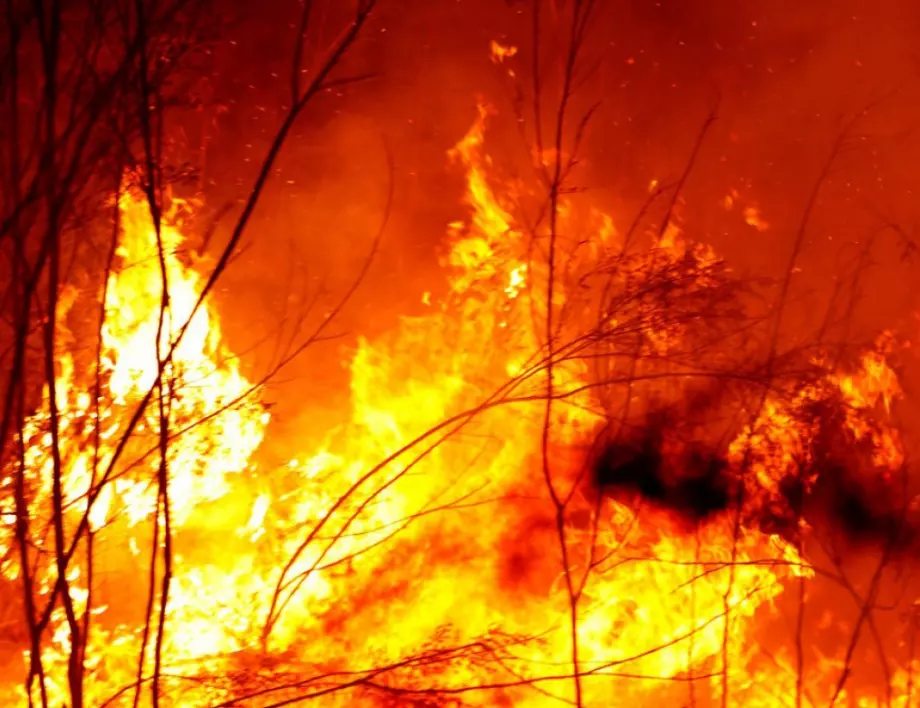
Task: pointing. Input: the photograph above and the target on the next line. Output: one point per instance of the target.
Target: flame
(418, 552)
(500, 52)
(215, 426)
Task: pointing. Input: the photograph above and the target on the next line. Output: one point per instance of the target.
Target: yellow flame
(425, 522)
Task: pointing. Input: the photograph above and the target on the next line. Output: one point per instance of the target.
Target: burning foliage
(836, 483)
(453, 543)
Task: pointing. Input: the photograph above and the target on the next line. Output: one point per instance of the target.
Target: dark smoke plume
(836, 489)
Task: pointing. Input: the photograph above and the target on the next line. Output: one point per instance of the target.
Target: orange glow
(421, 536)
(500, 52)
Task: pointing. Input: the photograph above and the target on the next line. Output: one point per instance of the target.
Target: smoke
(835, 487)
(785, 76)
(693, 482)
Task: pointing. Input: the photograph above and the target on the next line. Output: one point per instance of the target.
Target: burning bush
(589, 473)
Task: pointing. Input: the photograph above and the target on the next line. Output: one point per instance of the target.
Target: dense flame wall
(456, 548)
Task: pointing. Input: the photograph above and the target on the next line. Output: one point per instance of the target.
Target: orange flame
(421, 536)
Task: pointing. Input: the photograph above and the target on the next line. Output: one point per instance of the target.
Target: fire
(500, 52)
(215, 428)
(417, 553)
